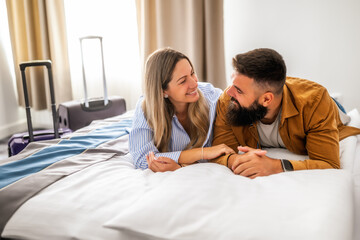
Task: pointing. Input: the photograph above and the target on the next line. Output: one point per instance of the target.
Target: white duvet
(111, 200)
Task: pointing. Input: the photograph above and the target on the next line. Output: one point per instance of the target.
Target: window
(115, 21)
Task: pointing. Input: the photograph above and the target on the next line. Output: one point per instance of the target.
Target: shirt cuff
(173, 155)
(298, 165)
(223, 160)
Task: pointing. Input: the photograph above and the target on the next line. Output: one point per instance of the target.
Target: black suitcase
(77, 114)
(19, 141)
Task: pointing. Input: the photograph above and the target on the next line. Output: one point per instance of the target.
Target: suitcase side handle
(106, 100)
(27, 136)
(47, 64)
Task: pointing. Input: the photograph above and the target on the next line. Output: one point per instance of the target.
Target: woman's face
(182, 89)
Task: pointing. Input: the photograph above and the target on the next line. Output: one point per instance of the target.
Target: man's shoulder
(304, 97)
(303, 89)
(300, 82)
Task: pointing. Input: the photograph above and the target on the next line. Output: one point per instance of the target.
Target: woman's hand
(190, 156)
(217, 151)
(161, 164)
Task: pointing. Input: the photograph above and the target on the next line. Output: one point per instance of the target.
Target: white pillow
(207, 201)
(355, 118)
(348, 145)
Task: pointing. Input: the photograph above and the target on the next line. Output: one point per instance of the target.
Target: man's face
(244, 108)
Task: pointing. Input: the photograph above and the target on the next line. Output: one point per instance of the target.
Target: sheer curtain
(37, 32)
(116, 22)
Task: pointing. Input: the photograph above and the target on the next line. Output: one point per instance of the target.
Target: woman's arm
(141, 140)
(207, 153)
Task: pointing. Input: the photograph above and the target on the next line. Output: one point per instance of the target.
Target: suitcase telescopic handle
(35, 63)
(47, 64)
(106, 101)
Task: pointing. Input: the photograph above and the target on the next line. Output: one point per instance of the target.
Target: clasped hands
(253, 163)
(163, 164)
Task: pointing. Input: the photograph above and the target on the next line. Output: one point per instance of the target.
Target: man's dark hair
(264, 65)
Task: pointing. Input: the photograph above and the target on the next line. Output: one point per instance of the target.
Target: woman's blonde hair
(159, 110)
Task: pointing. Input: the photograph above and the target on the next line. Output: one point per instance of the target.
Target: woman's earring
(166, 96)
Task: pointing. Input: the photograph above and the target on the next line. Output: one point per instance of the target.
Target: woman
(173, 122)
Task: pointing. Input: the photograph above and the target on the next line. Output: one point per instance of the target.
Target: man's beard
(241, 116)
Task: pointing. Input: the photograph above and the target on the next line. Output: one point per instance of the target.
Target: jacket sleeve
(322, 135)
(223, 132)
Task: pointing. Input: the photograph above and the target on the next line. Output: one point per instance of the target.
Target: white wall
(12, 117)
(319, 39)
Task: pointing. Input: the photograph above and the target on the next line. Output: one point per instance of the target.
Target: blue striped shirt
(141, 135)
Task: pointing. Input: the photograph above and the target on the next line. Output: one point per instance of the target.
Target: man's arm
(322, 136)
(223, 133)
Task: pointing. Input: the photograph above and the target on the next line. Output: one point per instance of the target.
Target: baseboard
(9, 129)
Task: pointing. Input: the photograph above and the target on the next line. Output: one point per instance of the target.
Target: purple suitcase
(19, 141)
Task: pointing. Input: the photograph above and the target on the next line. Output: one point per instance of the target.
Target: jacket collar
(288, 107)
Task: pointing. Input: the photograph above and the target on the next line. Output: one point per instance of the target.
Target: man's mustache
(235, 100)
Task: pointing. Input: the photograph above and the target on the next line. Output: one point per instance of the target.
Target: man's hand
(217, 151)
(161, 164)
(253, 163)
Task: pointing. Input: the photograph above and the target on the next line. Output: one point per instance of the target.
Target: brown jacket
(310, 125)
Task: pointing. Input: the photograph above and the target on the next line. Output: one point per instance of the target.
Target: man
(264, 108)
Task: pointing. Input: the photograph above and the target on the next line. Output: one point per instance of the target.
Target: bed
(84, 186)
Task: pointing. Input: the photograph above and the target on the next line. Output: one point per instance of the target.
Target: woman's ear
(266, 99)
(165, 95)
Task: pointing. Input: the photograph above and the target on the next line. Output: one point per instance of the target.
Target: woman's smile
(193, 93)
